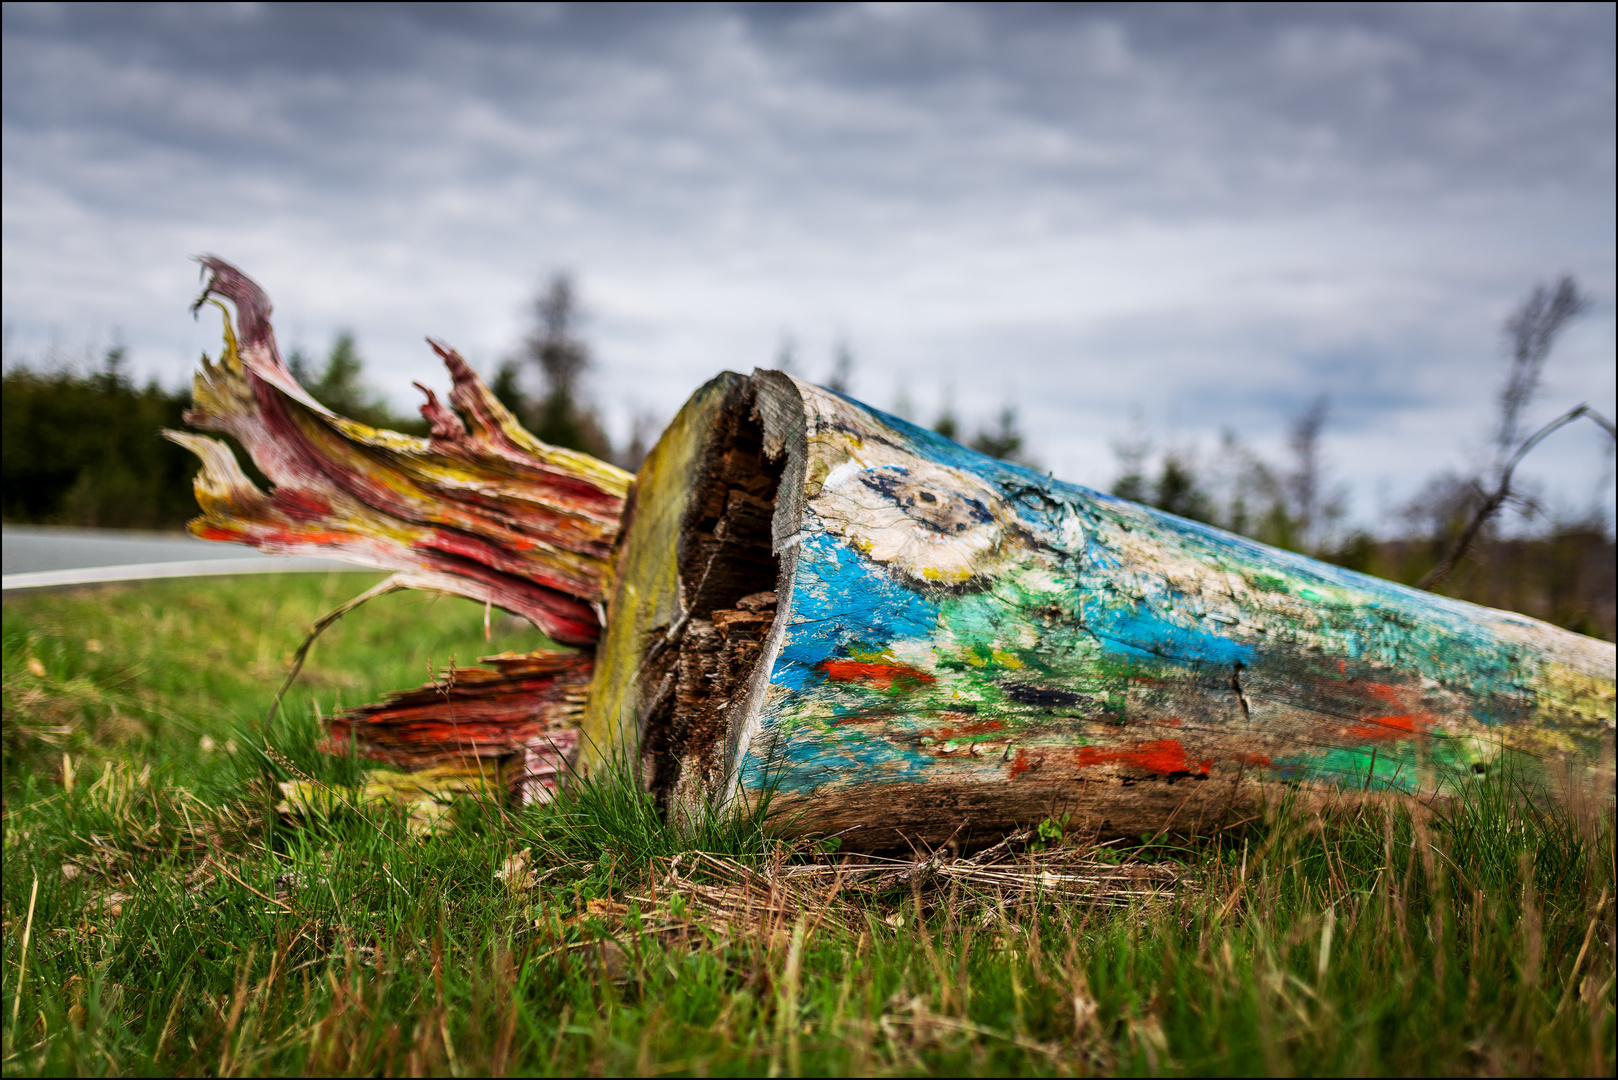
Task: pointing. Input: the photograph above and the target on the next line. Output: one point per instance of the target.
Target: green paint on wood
(964, 633)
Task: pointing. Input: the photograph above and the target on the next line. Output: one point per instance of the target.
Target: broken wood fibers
(902, 639)
(517, 723)
(921, 639)
(480, 508)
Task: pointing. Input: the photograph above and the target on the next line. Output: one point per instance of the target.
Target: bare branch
(1493, 501)
(1305, 482)
(1532, 330)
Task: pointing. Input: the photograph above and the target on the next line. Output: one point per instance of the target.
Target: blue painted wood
(962, 642)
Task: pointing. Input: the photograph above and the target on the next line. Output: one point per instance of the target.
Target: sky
(1177, 220)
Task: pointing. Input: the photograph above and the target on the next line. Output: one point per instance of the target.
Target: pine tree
(554, 347)
(1005, 441)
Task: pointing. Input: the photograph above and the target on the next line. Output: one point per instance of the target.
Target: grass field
(160, 917)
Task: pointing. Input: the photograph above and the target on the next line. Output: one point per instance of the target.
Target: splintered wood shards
(897, 638)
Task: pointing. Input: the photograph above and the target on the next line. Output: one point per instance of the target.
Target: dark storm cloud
(1208, 212)
(1157, 106)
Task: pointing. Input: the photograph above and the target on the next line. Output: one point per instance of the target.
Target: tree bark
(894, 636)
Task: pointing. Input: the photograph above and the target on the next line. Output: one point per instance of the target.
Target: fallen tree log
(898, 639)
(949, 639)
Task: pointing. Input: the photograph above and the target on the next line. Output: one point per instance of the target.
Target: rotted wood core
(728, 576)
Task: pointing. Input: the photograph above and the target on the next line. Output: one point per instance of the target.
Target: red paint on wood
(1165, 756)
(301, 505)
(471, 712)
(875, 676)
(481, 508)
(290, 537)
(1382, 728)
(1401, 722)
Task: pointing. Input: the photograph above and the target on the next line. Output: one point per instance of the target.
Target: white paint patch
(929, 522)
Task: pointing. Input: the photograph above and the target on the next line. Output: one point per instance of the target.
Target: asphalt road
(42, 557)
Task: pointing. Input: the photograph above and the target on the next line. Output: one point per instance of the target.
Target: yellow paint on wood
(645, 596)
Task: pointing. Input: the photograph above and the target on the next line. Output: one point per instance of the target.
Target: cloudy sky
(1202, 216)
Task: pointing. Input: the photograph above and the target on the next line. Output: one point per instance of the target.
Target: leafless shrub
(1531, 332)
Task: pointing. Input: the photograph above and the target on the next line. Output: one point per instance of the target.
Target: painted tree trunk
(896, 638)
(904, 640)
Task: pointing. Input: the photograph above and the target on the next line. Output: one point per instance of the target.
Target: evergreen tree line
(82, 448)
(82, 442)
(554, 353)
(543, 386)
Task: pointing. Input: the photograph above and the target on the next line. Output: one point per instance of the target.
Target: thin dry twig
(226, 871)
(391, 584)
(1070, 872)
(739, 900)
(1493, 501)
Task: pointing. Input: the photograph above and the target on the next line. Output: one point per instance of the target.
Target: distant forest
(81, 447)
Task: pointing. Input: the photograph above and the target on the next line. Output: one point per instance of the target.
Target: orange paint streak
(300, 536)
(1381, 728)
(1164, 756)
(1020, 764)
(1399, 723)
(277, 534)
(875, 676)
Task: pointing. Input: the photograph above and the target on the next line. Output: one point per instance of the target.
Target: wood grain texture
(521, 715)
(479, 509)
(962, 641)
(647, 601)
